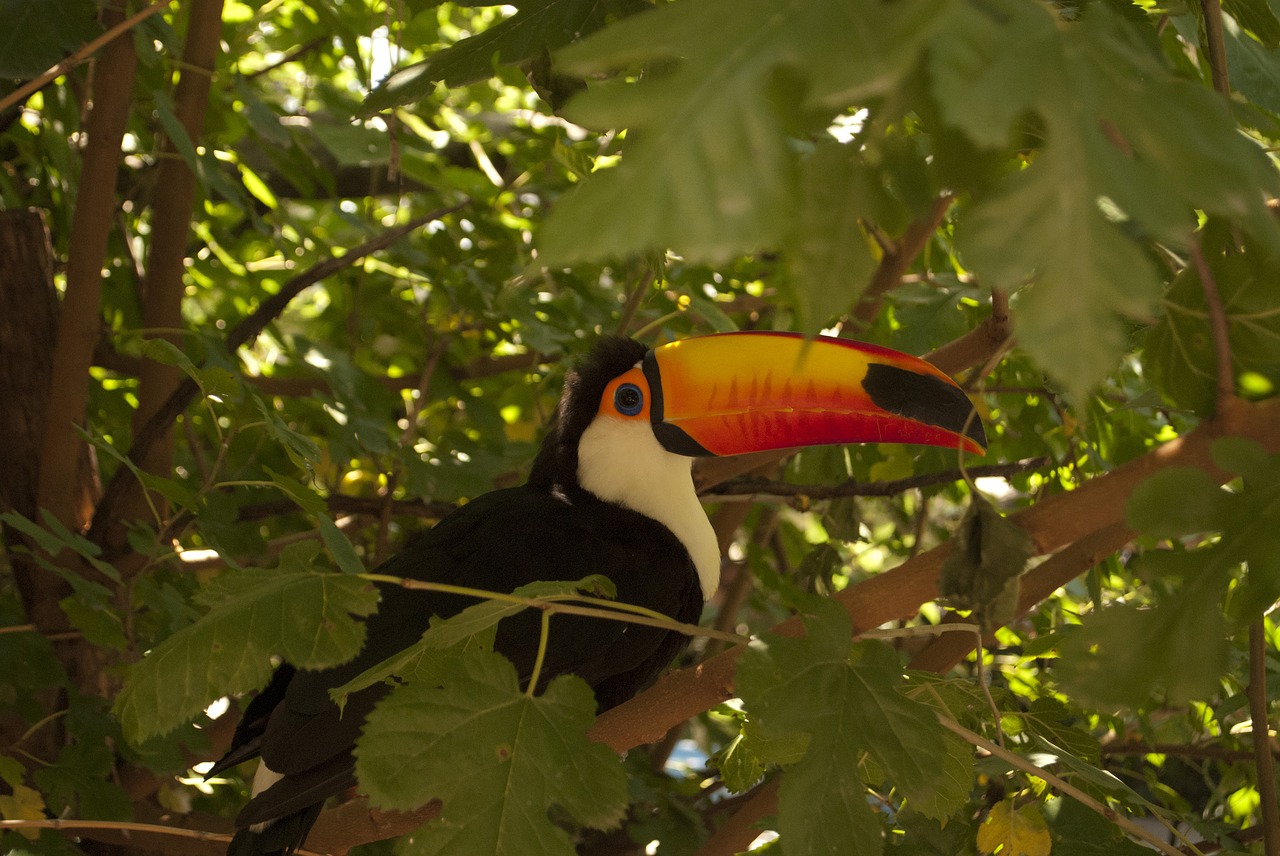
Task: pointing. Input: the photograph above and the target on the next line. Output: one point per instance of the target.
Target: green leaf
(100, 624)
(740, 768)
(829, 262)
(1176, 501)
(1118, 126)
(36, 36)
(292, 612)
(982, 572)
(339, 547)
(844, 696)
(1180, 348)
(1124, 655)
(707, 168)
(498, 759)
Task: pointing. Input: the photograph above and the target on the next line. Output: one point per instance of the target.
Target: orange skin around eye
(633, 376)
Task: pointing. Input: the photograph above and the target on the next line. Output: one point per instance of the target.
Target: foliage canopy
(320, 267)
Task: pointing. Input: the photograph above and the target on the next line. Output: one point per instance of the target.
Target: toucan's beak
(747, 392)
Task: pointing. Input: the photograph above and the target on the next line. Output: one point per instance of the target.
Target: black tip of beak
(924, 398)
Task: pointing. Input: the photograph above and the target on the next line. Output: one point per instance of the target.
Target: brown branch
(1264, 765)
(947, 650)
(247, 329)
(1182, 750)
(761, 487)
(104, 356)
(737, 833)
(111, 36)
(897, 260)
(1224, 379)
(79, 320)
(1216, 46)
(172, 209)
(980, 344)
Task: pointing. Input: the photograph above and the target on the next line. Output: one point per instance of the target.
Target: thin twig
(635, 299)
(749, 487)
(1020, 763)
(1225, 381)
(1263, 763)
(19, 94)
(567, 604)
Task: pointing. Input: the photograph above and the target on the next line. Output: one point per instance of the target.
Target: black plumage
(548, 529)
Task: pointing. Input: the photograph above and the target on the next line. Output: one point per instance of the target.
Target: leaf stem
(543, 640)
(1062, 785)
(568, 604)
(1225, 381)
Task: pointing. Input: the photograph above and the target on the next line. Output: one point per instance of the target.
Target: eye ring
(628, 399)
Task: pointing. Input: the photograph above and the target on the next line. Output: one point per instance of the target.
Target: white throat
(621, 461)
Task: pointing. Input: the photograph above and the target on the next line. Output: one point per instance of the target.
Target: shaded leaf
(498, 759)
(707, 169)
(982, 572)
(844, 697)
(292, 612)
(36, 36)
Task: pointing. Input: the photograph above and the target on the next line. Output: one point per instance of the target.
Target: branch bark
(79, 323)
(171, 224)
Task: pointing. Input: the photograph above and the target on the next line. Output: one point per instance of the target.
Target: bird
(610, 491)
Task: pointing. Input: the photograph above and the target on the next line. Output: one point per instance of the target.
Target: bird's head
(631, 419)
(746, 392)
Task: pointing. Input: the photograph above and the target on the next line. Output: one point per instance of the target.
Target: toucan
(610, 492)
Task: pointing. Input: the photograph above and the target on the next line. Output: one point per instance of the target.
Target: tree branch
(110, 36)
(1215, 47)
(79, 319)
(762, 487)
(897, 260)
(1053, 523)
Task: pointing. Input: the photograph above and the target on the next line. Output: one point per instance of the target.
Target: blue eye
(628, 399)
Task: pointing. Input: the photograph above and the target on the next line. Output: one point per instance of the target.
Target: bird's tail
(279, 837)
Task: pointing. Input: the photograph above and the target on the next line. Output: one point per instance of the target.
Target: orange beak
(732, 393)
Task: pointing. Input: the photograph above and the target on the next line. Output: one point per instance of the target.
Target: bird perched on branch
(611, 491)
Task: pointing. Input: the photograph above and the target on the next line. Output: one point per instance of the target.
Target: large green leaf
(845, 697)
(1180, 348)
(292, 612)
(36, 36)
(1130, 151)
(707, 168)
(497, 758)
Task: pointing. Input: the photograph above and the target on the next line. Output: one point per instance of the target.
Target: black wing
(498, 542)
